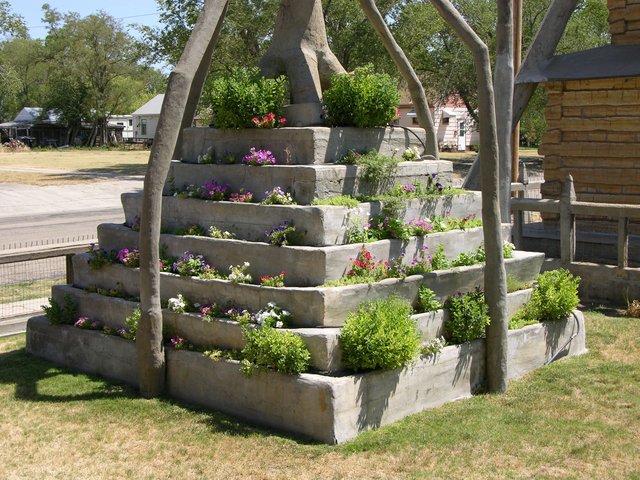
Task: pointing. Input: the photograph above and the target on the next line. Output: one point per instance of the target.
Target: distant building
(34, 127)
(124, 121)
(145, 119)
(455, 128)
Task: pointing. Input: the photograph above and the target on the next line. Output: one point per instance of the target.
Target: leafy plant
(64, 314)
(244, 95)
(273, 280)
(439, 260)
(238, 273)
(267, 347)
(99, 257)
(433, 347)
(361, 99)
(277, 196)
(377, 168)
(259, 158)
(338, 201)
(194, 230)
(132, 325)
(554, 297)
(468, 316)
(427, 300)
(281, 235)
(380, 335)
(215, 232)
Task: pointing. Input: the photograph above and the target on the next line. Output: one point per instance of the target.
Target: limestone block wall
(594, 135)
(624, 21)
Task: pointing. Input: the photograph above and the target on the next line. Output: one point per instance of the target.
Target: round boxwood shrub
(361, 99)
(245, 94)
(380, 335)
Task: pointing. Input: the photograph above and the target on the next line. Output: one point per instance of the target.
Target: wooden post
(623, 242)
(567, 223)
(69, 266)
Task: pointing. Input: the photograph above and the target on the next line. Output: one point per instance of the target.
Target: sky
(142, 12)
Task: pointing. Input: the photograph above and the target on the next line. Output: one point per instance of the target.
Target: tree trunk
(408, 74)
(300, 50)
(504, 102)
(149, 347)
(495, 283)
(196, 87)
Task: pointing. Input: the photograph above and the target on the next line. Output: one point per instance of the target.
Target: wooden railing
(568, 208)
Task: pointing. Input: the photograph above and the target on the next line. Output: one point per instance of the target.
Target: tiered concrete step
(304, 266)
(331, 409)
(310, 306)
(298, 145)
(323, 343)
(316, 225)
(306, 183)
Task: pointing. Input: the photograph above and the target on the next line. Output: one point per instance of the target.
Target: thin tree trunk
(504, 101)
(494, 272)
(149, 347)
(408, 74)
(197, 86)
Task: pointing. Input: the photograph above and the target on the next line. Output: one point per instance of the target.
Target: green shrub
(553, 298)
(267, 347)
(245, 94)
(427, 300)
(468, 316)
(380, 335)
(376, 167)
(361, 99)
(338, 201)
(65, 314)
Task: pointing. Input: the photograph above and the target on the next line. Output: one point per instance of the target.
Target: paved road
(31, 214)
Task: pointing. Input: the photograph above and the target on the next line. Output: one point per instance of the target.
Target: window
(445, 120)
(414, 121)
(143, 126)
(131, 122)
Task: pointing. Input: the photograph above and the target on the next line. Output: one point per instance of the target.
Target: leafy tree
(11, 24)
(25, 57)
(9, 84)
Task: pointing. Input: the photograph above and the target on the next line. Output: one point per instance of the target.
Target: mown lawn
(577, 418)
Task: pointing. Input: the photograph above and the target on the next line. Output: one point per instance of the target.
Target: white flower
(279, 324)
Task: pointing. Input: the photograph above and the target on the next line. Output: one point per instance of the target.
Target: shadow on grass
(118, 169)
(25, 372)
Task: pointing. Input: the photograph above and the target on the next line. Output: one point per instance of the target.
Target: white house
(124, 121)
(455, 128)
(145, 119)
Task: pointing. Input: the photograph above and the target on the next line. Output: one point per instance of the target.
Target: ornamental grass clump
(468, 316)
(554, 297)
(380, 335)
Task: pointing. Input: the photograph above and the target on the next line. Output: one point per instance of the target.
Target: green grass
(577, 418)
(16, 292)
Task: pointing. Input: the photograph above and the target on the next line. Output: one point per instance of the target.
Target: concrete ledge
(297, 145)
(323, 343)
(316, 225)
(310, 307)
(87, 351)
(304, 266)
(305, 183)
(328, 409)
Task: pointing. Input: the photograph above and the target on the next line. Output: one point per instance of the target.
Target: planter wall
(316, 225)
(310, 307)
(305, 183)
(304, 266)
(325, 408)
(297, 145)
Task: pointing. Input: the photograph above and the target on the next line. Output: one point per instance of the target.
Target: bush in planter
(361, 99)
(269, 348)
(380, 335)
(468, 316)
(245, 94)
(553, 298)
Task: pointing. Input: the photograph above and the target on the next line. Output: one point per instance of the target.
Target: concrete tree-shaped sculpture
(300, 50)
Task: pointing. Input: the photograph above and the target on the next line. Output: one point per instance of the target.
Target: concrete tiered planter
(310, 307)
(305, 183)
(304, 266)
(326, 408)
(298, 145)
(316, 225)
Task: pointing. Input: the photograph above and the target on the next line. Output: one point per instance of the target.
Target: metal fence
(26, 277)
